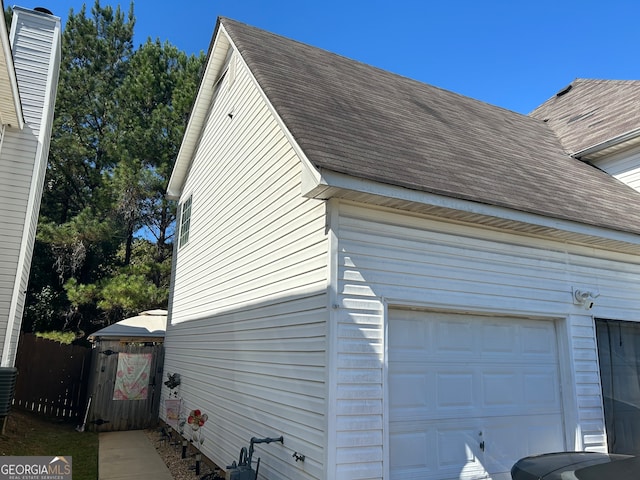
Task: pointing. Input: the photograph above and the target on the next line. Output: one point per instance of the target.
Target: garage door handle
(482, 445)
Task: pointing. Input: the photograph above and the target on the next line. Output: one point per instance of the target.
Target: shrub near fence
(52, 377)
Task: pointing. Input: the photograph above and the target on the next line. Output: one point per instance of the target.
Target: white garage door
(469, 395)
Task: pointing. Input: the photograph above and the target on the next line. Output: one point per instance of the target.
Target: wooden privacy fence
(110, 408)
(52, 377)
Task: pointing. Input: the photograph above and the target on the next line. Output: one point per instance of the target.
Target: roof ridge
(605, 80)
(380, 70)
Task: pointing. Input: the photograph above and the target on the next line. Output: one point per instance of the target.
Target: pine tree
(105, 234)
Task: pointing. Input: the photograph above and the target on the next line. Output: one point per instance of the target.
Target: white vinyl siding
(625, 166)
(15, 181)
(36, 49)
(388, 259)
(256, 236)
(258, 372)
(249, 304)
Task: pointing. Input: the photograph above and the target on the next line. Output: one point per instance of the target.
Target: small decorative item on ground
(197, 419)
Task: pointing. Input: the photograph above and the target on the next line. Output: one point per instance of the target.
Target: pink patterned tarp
(132, 376)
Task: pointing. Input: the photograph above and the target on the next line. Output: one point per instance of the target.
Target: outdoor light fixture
(586, 298)
(198, 459)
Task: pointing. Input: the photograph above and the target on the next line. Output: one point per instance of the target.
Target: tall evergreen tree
(95, 60)
(104, 241)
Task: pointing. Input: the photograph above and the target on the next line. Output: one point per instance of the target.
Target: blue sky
(510, 53)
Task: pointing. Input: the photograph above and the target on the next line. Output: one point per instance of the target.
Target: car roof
(625, 469)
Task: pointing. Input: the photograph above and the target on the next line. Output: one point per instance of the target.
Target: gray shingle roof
(592, 111)
(352, 118)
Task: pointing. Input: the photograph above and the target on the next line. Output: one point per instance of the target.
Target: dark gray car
(577, 466)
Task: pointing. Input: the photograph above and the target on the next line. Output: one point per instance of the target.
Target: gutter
(612, 142)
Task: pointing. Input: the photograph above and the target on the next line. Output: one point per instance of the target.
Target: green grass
(30, 434)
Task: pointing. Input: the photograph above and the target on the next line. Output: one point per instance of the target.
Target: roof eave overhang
(630, 138)
(329, 184)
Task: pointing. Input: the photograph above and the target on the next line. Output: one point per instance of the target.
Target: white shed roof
(150, 323)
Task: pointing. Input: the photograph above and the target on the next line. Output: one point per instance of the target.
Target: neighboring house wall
(389, 260)
(35, 39)
(247, 325)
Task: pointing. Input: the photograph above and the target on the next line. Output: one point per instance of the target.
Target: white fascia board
(198, 117)
(330, 182)
(612, 142)
(14, 114)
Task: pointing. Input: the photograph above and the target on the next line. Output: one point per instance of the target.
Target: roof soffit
(454, 210)
(609, 147)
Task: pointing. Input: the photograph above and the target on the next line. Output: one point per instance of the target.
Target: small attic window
(185, 222)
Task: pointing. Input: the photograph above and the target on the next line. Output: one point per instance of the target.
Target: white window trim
(185, 221)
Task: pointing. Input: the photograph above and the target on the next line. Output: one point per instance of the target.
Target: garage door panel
(457, 445)
(545, 434)
(541, 389)
(499, 339)
(503, 432)
(425, 451)
(455, 390)
(538, 339)
(512, 437)
(501, 389)
(410, 337)
(473, 390)
(455, 337)
(525, 389)
(413, 386)
(475, 379)
(414, 450)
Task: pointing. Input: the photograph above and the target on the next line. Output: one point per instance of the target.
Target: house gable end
(221, 50)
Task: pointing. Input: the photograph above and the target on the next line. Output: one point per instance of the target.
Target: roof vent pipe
(564, 91)
(43, 10)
